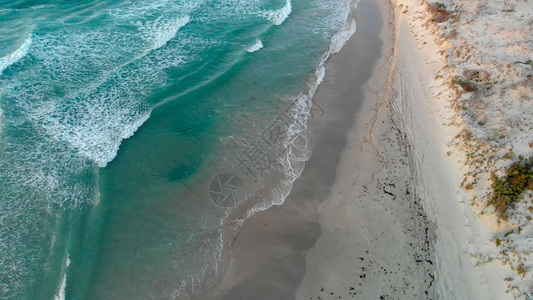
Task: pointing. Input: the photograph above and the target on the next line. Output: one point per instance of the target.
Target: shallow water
(115, 118)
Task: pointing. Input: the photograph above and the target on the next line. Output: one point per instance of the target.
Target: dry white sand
(423, 107)
(484, 43)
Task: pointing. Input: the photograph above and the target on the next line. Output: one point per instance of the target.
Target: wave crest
(255, 47)
(279, 16)
(341, 38)
(12, 58)
(162, 30)
(1, 121)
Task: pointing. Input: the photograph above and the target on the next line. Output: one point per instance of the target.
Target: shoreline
(378, 241)
(269, 251)
(379, 211)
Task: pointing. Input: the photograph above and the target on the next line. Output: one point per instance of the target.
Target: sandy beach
(379, 212)
(270, 252)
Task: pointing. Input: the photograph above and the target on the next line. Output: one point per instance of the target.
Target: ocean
(136, 136)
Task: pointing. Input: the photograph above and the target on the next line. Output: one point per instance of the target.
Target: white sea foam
(62, 287)
(279, 16)
(162, 30)
(320, 73)
(101, 144)
(341, 38)
(12, 58)
(61, 293)
(99, 134)
(255, 47)
(95, 119)
(127, 131)
(8, 10)
(1, 121)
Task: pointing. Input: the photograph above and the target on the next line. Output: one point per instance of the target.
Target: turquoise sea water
(115, 117)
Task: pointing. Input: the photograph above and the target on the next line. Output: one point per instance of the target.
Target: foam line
(12, 58)
(162, 31)
(1, 121)
(255, 47)
(62, 287)
(279, 16)
(341, 38)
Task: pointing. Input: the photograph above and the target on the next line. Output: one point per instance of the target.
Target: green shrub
(506, 190)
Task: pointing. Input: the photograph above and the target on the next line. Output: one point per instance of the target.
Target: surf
(255, 47)
(277, 17)
(98, 135)
(17, 55)
(142, 105)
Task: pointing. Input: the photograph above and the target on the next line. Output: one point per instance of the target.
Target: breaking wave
(162, 30)
(255, 47)
(279, 16)
(12, 58)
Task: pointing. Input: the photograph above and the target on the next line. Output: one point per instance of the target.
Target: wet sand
(269, 254)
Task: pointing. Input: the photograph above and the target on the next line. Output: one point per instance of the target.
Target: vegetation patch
(464, 84)
(527, 62)
(506, 190)
(520, 270)
(439, 12)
